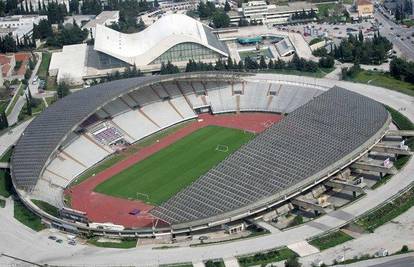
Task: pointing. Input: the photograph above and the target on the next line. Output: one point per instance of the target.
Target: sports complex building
(175, 38)
(322, 131)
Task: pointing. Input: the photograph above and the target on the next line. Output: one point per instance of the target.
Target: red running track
(102, 208)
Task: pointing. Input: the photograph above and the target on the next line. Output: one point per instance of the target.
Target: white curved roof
(145, 46)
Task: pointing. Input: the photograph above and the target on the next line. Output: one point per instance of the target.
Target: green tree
(62, 90)
(227, 7)
(262, 63)
(28, 106)
(3, 121)
(292, 262)
(74, 6)
(220, 19)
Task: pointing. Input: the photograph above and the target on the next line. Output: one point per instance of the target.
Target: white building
(104, 18)
(176, 38)
(19, 25)
(261, 12)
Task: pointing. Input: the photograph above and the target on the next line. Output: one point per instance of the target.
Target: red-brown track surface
(102, 208)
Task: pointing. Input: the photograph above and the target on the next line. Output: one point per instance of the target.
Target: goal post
(222, 148)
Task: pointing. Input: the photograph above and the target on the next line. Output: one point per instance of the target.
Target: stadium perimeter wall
(239, 213)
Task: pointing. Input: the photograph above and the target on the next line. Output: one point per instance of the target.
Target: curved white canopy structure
(144, 47)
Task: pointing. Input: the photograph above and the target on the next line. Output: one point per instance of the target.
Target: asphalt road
(404, 42)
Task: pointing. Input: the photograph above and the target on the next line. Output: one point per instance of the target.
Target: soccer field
(163, 174)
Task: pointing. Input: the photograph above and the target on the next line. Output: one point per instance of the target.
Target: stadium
(241, 145)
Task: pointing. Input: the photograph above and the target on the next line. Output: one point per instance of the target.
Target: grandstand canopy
(316, 139)
(171, 35)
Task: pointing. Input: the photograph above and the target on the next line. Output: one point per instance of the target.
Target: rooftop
(102, 18)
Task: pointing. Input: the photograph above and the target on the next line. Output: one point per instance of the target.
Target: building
(364, 8)
(104, 18)
(261, 12)
(176, 38)
(19, 25)
(14, 65)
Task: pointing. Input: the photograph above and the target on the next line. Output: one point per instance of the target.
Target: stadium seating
(172, 89)
(135, 124)
(108, 135)
(86, 151)
(194, 99)
(221, 97)
(255, 97)
(312, 138)
(65, 168)
(115, 107)
(162, 113)
(160, 91)
(144, 96)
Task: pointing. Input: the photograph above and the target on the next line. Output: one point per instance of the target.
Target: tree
(326, 62)
(3, 121)
(28, 106)
(93, 7)
(8, 44)
(62, 90)
(168, 68)
(206, 10)
(74, 6)
(227, 7)
(292, 262)
(262, 63)
(43, 30)
(361, 36)
(56, 12)
(220, 19)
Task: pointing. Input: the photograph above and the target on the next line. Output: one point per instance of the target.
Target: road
(18, 240)
(13, 117)
(403, 42)
(405, 260)
(11, 136)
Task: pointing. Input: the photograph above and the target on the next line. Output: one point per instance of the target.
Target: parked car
(52, 237)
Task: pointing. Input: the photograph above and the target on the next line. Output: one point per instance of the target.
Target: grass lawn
(52, 210)
(253, 53)
(318, 74)
(186, 264)
(330, 240)
(215, 263)
(3, 105)
(121, 244)
(163, 174)
(384, 80)
(18, 93)
(112, 160)
(44, 65)
(386, 213)
(5, 184)
(408, 22)
(262, 259)
(7, 155)
(26, 217)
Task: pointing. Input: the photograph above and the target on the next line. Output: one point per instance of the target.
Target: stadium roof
(316, 139)
(145, 46)
(48, 130)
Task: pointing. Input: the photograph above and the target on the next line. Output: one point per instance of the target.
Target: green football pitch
(163, 174)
